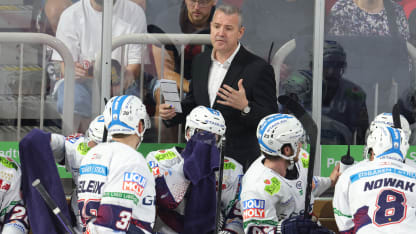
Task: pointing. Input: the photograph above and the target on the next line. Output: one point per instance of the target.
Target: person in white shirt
(79, 28)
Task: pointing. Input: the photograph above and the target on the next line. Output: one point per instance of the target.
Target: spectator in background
(409, 7)
(367, 18)
(187, 16)
(79, 28)
(344, 110)
(232, 80)
(190, 16)
(374, 33)
(54, 8)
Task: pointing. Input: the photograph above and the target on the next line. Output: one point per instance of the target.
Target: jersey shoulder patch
(304, 158)
(8, 162)
(83, 148)
(272, 186)
(162, 155)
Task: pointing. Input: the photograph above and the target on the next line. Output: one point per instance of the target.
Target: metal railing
(155, 39)
(39, 38)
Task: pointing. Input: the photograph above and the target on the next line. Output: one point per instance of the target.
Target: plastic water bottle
(346, 161)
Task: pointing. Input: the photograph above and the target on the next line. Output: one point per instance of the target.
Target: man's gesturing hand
(234, 98)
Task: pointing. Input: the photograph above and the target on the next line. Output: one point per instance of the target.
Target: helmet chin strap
(140, 137)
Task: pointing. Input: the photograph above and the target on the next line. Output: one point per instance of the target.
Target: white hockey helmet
(122, 115)
(387, 143)
(276, 130)
(96, 129)
(204, 118)
(386, 119)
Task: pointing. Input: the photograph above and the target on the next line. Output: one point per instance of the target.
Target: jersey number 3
(391, 207)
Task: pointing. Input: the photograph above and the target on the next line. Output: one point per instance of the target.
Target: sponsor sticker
(93, 169)
(155, 168)
(8, 163)
(125, 196)
(253, 208)
(134, 182)
(91, 186)
(165, 156)
(272, 186)
(229, 165)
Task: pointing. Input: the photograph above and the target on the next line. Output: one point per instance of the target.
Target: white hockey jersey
(268, 198)
(376, 197)
(70, 150)
(171, 184)
(116, 190)
(12, 213)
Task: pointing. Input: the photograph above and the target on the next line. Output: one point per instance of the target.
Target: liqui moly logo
(134, 182)
(253, 208)
(155, 168)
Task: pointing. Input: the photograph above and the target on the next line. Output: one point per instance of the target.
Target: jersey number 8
(391, 207)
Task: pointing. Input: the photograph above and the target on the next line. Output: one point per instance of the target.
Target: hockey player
(167, 167)
(273, 188)
(386, 119)
(116, 188)
(70, 150)
(377, 195)
(13, 217)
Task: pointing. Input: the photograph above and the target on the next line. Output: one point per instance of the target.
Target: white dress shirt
(217, 73)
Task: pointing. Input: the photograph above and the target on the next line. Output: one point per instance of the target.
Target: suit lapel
(233, 73)
(203, 85)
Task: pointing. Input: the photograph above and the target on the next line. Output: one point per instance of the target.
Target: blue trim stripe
(214, 112)
(115, 112)
(395, 138)
(363, 174)
(93, 169)
(100, 119)
(266, 124)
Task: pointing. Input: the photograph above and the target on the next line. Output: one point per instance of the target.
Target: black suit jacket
(260, 86)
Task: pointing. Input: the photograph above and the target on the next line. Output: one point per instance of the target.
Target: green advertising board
(11, 149)
(331, 154)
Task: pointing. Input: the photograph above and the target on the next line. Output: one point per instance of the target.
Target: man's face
(288, 151)
(225, 32)
(199, 11)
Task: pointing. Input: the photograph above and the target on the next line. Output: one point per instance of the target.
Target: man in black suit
(234, 81)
